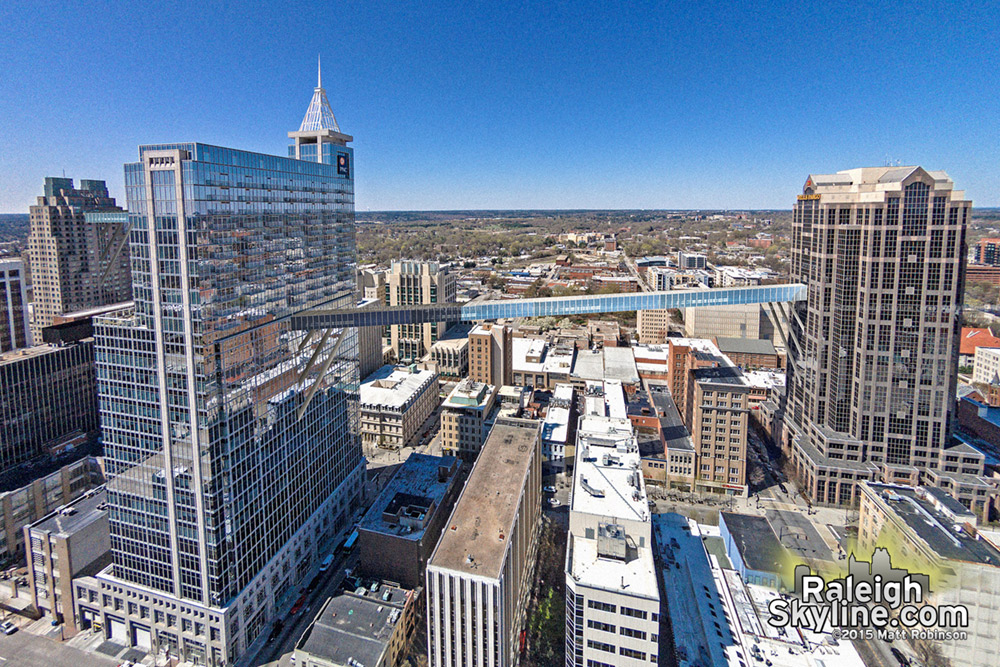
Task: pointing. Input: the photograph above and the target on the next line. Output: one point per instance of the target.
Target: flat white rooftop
(555, 428)
(394, 387)
(607, 480)
(523, 349)
(635, 576)
(765, 379)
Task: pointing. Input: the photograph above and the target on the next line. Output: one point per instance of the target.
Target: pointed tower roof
(319, 115)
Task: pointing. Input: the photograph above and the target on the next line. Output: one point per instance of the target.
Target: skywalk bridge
(476, 311)
(329, 320)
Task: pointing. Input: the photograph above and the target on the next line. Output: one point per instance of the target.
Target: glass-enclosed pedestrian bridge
(475, 311)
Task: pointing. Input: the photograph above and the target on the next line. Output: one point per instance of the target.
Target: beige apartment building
(490, 354)
(74, 537)
(479, 577)
(414, 284)
(653, 326)
(78, 248)
(395, 403)
(466, 417)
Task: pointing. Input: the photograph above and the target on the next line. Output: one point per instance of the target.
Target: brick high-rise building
(712, 397)
(874, 349)
(78, 248)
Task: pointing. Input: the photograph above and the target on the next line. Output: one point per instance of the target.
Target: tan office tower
(874, 349)
(414, 284)
(78, 248)
(490, 354)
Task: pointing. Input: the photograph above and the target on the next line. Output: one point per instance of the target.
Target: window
(602, 606)
(635, 634)
(601, 646)
(597, 625)
(630, 653)
(634, 613)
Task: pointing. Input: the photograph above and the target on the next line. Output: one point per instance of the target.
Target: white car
(553, 502)
(8, 628)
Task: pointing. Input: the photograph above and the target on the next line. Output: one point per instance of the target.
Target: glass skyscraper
(230, 438)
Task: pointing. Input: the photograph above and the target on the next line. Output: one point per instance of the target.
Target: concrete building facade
(395, 403)
(653, 326)
(986, 365)
(69, 541)
(479, 577)
(712, 397)
(743, 321)
(491, 354)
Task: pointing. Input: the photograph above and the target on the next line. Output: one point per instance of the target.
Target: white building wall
(986, 364)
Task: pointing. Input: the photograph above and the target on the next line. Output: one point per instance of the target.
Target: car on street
(275, 631)
(8, 628)
(900, 658)
(784, 489)
(297, 607)
(553, 502)
(549, 489)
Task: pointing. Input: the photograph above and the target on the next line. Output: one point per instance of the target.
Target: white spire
(319, 115)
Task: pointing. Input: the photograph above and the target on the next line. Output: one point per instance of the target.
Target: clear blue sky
(512, 104)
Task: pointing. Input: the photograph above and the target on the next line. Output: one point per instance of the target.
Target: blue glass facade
(217, 456)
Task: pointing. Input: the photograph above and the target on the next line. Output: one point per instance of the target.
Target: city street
(279, 652)
(23, 649)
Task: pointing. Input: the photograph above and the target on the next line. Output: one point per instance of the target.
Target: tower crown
(319, 115)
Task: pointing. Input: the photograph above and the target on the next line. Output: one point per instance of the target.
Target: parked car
(549, 489)
(8, 628)
(275, 631)
(784, 489)
(297, 607)
(553, 502)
